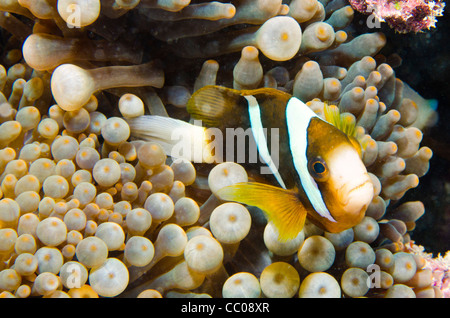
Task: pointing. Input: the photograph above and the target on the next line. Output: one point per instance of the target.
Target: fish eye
(318, 169)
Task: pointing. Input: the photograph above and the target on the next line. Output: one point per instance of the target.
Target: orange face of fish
(335, 164)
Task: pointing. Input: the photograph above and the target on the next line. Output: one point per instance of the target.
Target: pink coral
(403, 15)
(439, 266)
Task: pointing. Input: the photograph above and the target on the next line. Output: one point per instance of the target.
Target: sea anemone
(90, 208)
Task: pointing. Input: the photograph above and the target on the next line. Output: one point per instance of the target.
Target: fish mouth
(365, 183)
(358, 197)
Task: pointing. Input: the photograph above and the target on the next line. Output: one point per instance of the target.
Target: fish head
(335, 164)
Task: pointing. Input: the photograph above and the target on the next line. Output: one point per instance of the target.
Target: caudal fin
(179, 139)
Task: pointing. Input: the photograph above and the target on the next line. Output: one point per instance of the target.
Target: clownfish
(319, 175)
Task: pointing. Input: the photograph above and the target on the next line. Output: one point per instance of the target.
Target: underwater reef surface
(419, 51)
(88, 209)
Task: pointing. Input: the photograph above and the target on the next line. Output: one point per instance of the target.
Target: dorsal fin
(214, 105)
(268, 93)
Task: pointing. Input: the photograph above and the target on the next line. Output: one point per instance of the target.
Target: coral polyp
(403, 16)
(93, 205)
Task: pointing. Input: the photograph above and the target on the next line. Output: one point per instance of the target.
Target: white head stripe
(254, 112)
(298, 118)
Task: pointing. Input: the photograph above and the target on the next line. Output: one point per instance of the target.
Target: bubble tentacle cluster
(86, 210)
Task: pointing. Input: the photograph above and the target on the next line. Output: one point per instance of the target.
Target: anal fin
(282, 207)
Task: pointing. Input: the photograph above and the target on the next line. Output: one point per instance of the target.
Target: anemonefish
(319, 174)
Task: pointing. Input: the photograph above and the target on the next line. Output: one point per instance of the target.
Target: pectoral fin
(282, 207)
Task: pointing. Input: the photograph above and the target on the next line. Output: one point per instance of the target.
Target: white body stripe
(298, 117)
(254, 112)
